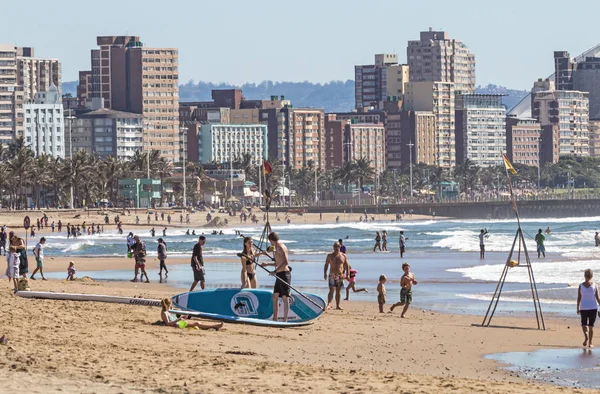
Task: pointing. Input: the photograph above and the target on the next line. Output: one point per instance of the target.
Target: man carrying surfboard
(282, 271)
(198, 263)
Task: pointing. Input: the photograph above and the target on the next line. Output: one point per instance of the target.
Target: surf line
(272, 272)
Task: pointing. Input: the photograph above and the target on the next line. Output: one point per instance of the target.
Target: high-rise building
(564, 116)
(106, 132)
(480, 129)
(523, 140)
(583, 76)
(436, 97)
(419, 135)
(44, 124)
(226, 143)
(437, 58)
(11, 98)
(374, 83)
(85, 89)
(37, 74)
(336, 151)
(366, 141)
(594, 128)
(300, 137)
(129, 77)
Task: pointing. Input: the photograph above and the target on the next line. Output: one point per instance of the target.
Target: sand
(80, 347)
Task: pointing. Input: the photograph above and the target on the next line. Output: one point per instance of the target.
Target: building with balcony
(107, 133)
(581, 75)
(438, 98)
(437, 58)
(37, 74)
(11, 96)
(374, 83)
(365, 141)
(594, 129)
(44, 124)
(480, 129)
(564, 116)
(225, 143)
(523, 140)
(419, 135)
(300, 135)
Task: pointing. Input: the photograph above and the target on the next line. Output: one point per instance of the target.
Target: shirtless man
(284, 275)
(338, 271)
(406, 283)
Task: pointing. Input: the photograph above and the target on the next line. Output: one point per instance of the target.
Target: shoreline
(445, 351)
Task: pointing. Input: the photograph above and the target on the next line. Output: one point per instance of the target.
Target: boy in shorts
(381, 292)
(406, 283)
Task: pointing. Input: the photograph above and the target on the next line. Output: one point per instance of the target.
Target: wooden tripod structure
(510, 263)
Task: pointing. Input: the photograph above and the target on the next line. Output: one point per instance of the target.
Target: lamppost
(410, 146)
(539, 160)
(183, 155)
(70, 118)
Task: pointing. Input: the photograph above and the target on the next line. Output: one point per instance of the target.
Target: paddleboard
(88, 297)
(241, 320)
(249, 304)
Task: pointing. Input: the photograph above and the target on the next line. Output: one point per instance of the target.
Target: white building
(480, 129)
(224, 143)
(11, 99)
(44, 124)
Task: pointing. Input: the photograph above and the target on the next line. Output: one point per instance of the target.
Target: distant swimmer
(539, 240)
(597, 238)
(482, 237)
(384, 240)
(377, 242)
(548, 231)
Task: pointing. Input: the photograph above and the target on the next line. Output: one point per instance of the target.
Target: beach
(110, 348)
(440, 347)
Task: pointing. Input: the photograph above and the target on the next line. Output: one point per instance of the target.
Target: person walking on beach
(139, 254)
(281, 289)
(352, 283)
(12, 267)
(59, 226)
(342, 246)
(19, 244)
(38, 252)
(130, 242)
(162, 256)
(377, 241)
(539, 240)
(3, 236)
(71, 271)
(198, 263)
(406, 283)
(384, 240)
(337, 263)
(381, 292)
(482, 235)
(587, 306)
(402, 244)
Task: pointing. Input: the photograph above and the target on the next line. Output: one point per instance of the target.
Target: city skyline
(510, 47)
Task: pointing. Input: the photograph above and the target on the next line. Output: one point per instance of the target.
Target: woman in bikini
(248, 257)
(170, 319)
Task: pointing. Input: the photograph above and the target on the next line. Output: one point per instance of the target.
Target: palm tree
(346, 174)
(18, 170)
(363, 171)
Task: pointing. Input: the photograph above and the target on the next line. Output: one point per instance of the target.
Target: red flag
(267, 167)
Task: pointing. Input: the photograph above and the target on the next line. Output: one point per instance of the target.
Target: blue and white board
(241, 320)
(253, 304)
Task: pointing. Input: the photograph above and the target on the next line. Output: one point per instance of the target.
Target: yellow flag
(509, 167)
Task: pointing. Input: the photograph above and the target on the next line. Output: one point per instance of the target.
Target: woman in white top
(587, 306)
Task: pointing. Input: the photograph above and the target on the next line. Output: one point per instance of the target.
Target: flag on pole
(509, 167)
(267, 167)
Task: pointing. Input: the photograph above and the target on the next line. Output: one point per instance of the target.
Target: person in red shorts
(138, 251)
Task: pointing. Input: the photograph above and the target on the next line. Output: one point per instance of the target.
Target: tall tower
(437, 58)
(373, 83)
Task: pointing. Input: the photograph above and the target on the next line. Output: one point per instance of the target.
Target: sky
(238, 41)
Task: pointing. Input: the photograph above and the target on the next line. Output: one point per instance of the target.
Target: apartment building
(11, 99)
(129, 77)
(107, 132)
(336, 150)
(523, 140)
(564, 116)
(583, 76)
(437, 58)
(36, 74)
(225, 143)
(436, 97)
(594, 128)
(480, 129)
(418, 138)
(374, 83)
(44, 124)
(85, 89)
(300, 137)
(365, 141)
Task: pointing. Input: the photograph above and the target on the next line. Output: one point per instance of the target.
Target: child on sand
(71, 271)
(352, 284)
(12, 266)
(172, 320)
(381, 292)
(406, 283)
